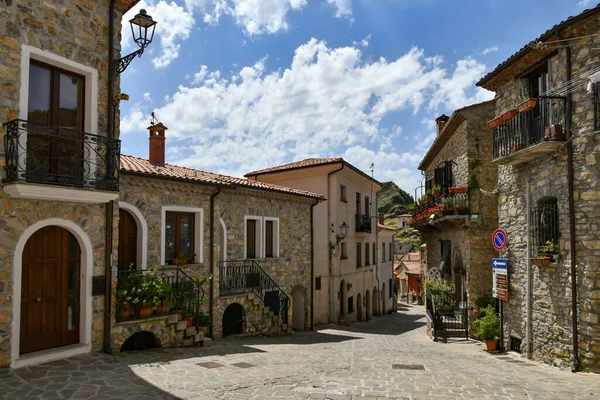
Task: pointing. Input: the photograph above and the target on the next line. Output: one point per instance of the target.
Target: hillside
(393, 201)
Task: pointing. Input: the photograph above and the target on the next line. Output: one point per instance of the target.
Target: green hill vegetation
(394, 202)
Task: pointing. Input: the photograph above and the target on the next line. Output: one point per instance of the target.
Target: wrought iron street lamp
(142, 29)
(343, 231)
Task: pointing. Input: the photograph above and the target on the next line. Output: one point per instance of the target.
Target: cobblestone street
(333, 363)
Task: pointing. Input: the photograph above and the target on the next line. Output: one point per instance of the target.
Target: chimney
(157, 144)
(440, 122)
(381, 219)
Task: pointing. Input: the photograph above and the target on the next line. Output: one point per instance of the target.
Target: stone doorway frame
(85, 312)
(142, 233)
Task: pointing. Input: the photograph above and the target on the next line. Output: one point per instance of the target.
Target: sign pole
(501, 327)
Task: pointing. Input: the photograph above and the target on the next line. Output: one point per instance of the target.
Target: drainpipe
(330, 285)
(108, 217)
(211, 256)
(570, 178)
(528, 267)
(312, 267)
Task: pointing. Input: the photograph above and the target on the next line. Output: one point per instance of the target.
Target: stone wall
(547, 175)
(76, 30)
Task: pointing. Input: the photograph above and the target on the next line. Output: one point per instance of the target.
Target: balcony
(445, 212)
(363, 223)
(538, 131)
(52, 163)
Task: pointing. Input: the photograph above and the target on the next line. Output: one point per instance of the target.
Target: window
(367, 206)
(343, 193)
(357, 203)
(344, 252)
(271, 239)
(252, 237)
(382, 252)
(544, 220)
(596, 106)
(367, 257)
(179, 236)
(358, 255)
(317, 283)
(374, 254)
(391, 288)
(391, 252)
(350, 304)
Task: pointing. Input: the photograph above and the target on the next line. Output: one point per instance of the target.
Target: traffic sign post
(499, 239)
(500, 289)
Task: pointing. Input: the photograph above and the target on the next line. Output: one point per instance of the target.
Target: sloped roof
(544, 36)
(137, 165)
(389, 228)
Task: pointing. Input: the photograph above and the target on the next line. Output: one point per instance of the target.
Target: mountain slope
(393, 201)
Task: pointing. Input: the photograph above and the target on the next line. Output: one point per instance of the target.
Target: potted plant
(458, 189)
(184, 258)
(546, 254)
(412, 207)
(203, 322)
(429, 195)
(488, 328)
(527, 105)
(460, 204)
(448, 204)
(553, 133)
(437, 191)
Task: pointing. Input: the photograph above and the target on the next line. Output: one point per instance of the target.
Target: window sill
(343, 200)
(343, 258)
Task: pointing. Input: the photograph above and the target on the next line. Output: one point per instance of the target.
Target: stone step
(198, 337)
(190, 331)
(188, 342)
(172, 319)
(207, 342)
(181, 325)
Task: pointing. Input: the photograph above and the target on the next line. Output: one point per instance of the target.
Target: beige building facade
(353, 267)
(546, 148)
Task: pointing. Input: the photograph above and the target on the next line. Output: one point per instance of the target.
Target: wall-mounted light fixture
(343, 231)
(142, 29)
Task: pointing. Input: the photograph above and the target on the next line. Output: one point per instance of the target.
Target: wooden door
(50, 290)
(127, 241)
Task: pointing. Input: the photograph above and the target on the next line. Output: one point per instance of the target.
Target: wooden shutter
(269, 239)
(251, 238)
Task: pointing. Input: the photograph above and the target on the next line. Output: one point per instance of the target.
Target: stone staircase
(271, 323)
(188, 335)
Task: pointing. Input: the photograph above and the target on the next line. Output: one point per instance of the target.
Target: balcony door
(55, 124)
(539, 84)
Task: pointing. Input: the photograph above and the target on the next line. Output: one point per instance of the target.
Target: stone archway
(159, 331)
(368, 305)
(298, 308)
(359, 307)
(142, 340)
(233, 320)
(84, 319)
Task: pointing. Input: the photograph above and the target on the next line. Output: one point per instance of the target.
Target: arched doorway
(368, 306)
(375, 302)
(458, 277)
(143, 340)
(359, 307)
(342, 298)
(383, 307)
(298, 308)
(233, 320)
(50, 290)
(128, 241)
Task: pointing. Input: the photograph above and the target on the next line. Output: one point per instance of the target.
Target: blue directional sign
(498, 263)
(500, 278)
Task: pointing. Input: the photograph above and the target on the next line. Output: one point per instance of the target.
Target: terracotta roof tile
(389, 228)
(309, 162)
(142, 166)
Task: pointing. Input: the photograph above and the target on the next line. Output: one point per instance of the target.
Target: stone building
(458, 169)
(353, 267)
(546, 146)
(59, 155)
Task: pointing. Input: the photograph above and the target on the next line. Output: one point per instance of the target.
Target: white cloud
(200, 75)
(328, 102)
(584, 3)
(364, 42)
(490, 50)
(343, 8)
(174, 24)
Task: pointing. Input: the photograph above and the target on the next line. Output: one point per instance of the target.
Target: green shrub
(488, 326)
(442, 292)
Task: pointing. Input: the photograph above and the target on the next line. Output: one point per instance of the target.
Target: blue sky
(249, 84)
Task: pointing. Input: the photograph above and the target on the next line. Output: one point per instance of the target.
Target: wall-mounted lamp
(142, 29)
(343, 231)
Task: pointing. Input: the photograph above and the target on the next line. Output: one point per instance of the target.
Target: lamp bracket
(122, 63)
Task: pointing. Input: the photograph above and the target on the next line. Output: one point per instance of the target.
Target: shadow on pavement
(390, 324)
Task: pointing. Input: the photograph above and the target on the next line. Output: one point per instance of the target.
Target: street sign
(499, 239)
(500, 278)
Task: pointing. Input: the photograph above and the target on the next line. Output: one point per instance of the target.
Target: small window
(318, 283)
(544, 220)
(252, 239)
(344, 251)
(271, 237)
(374, 254)
(357, 203)
(343, 193)
(382, 252)
(597, 106)
(367, 206)
(367, 256)
(391, 288)
(350, 304)
(358, 255)
(391, 252)
(179, 236)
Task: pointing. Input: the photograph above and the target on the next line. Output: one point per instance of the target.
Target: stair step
(181, 325)
(191, 331)
(172, 319)
(207, 342)
(271, 314)
(198, 337)
(188, 342)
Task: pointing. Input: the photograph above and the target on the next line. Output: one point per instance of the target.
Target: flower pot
(124, 312)
(541, 261)
(527, 104)
(429, 198)
(491, 345)
(507, 116)
(145, 311)
(162, 309)
(461, 189)
(494, 123)
(188, 321)
(553, 133)
(202, 329)
(461, 210)
(437, 194)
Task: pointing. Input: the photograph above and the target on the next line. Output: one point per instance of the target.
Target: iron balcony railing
(447, 321)
(39, 153)
(544, 122)
(363, 223)
(454, 204)
(246, 276)
(182, 294)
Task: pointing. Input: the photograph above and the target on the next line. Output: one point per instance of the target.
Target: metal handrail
(245, 276)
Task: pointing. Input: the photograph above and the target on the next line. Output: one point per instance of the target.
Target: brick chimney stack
(157, 144)
(440, 122)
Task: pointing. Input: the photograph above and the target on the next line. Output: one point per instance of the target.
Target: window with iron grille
(544, 223)
(596, 106)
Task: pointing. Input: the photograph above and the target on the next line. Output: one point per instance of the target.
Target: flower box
(527, 104)
(541, 261)
(507, 116)
(462, 189)
(494, 123)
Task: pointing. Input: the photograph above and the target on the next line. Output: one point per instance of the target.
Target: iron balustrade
(363, 223)
(544, 122)
(40, 153)
(186, 294)
(246, 276)
(447, 321)
(596, 106)
(458, 199)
